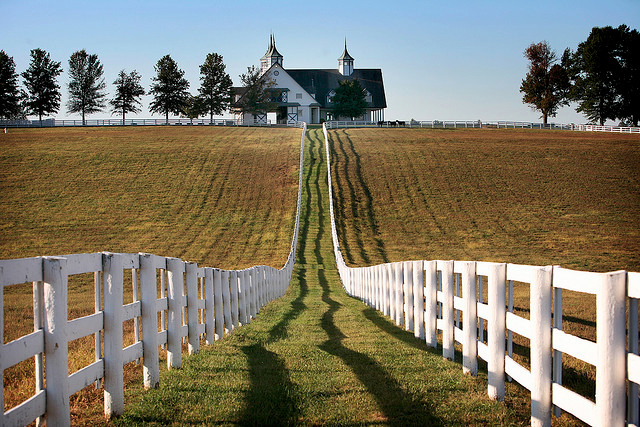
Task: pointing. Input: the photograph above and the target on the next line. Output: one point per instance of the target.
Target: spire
(345, 54)
(345, 62)
(271, 57)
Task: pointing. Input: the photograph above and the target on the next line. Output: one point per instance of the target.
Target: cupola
(345, 62)
(271, 57)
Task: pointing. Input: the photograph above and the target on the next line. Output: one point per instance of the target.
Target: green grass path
(317, 356)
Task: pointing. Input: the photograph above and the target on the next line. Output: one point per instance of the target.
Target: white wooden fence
(459, 124)
(428, 297)
(193, 302)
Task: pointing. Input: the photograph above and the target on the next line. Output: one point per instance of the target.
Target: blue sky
(445, 60)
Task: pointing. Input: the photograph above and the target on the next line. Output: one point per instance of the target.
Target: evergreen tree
(216, 87)
(128, 93)
(40, 79)
(256, 98)
(9, 92)
(86, 84)
(349, 100)
(546, 84)
(170, 90)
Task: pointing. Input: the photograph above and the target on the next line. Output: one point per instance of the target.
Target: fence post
(399, 294)
(217, 303)
(148, 298)
(233, 287)
(113, 380)
(38, 324)
(191, 269)
(242, 296)
(56, 347)
(408, 295)
(469, 319)
(611, 344)
(391, 310)
(541, 347)
(418, 299)
(226, 300)
(175, 286)
(430, 312)
(496, 329)
(210, 324)
(448, 341)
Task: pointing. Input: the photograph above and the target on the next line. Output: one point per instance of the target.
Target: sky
(440, 60)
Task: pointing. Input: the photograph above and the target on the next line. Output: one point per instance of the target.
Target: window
(298, 96)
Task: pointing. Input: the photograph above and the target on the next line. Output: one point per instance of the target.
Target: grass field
(226, 198)
(223, 197)
(519, 196)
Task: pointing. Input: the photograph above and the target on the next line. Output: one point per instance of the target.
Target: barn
(306, 94)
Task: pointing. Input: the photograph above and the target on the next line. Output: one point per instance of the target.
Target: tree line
(602, 76)
(87, 88)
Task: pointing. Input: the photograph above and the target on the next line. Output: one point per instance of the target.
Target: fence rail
(457, 124)
(428, 297)
(194, 303)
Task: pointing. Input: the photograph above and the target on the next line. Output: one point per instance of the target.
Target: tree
(128, 93)
(256, 98)
(9, 92)
(349, 99)
(597, 72)
(216, 87)
(40, 80)
(170, 90)
(86, 84)
(546, 85)
(630, 82)
(193, 108)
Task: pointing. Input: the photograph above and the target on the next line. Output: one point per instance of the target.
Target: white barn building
(306, 94)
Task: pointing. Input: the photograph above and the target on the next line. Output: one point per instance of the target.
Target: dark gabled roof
(321, 82)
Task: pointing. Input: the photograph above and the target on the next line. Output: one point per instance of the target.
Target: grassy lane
(317, 356)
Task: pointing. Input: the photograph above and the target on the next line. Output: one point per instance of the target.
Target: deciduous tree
(40, 79)
(170, 88)
(128, 93)
(630, 82)
(597, 72)
(349, 99)
(86, 84)
(546, 85)
(256, 98)
(9, 91)
(216, 87)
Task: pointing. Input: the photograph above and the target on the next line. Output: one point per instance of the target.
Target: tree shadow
(354, 183)
(398, 406)
(272, 398)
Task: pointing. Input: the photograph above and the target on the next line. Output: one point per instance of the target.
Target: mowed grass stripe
(317, 356)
